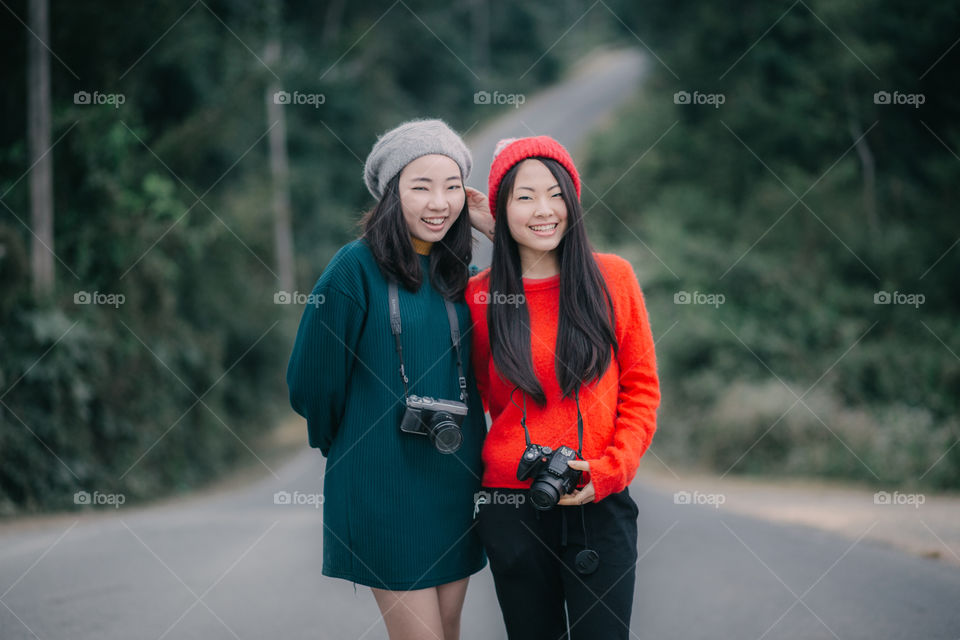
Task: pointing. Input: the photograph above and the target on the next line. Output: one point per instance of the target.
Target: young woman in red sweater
(564, 361)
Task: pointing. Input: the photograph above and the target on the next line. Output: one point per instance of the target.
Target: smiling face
(537, 218)
(431, 196)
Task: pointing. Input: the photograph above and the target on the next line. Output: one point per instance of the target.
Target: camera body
(552, 476)
(437, 419)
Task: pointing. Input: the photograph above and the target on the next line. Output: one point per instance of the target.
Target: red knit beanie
(514, 150)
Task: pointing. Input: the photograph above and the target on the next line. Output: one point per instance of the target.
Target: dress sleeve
(322, 360)
(639, 390)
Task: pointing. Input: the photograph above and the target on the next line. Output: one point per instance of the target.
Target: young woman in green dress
(382, 374)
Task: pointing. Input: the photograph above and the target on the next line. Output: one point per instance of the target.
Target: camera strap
(396, 329)
(587, 560)
(523, 418)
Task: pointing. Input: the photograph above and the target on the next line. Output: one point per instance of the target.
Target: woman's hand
(480, 216)
(580, 496)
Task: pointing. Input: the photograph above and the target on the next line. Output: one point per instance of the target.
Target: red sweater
(619, 410)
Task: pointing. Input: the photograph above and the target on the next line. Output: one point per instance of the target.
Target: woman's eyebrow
(556, 186)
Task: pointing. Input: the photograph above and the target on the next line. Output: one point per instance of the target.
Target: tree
(279, 168)
(41, 174)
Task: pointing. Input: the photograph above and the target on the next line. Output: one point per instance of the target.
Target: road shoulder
(920, 523)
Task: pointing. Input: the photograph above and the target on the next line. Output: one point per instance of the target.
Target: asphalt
(233, 563)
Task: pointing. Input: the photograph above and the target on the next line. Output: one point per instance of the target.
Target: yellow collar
(421, 246)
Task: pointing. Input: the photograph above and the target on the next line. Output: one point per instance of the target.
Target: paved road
(234, 564)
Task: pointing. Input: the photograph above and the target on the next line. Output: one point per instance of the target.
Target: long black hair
(585, 335)
(388, 237)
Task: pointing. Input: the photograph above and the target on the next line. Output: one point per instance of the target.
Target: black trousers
(532, 555)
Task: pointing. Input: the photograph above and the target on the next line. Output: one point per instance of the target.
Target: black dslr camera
(553, 477)
(439, 420)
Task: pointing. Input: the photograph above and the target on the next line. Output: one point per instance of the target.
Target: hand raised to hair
(480, 216)
(579, 496)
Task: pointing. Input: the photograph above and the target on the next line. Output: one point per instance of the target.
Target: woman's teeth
(544, 227)
(434, 221)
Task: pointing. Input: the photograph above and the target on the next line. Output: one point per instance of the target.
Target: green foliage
(166, 201)
(706, 200)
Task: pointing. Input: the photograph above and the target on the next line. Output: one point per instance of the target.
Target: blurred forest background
(813, 190)
(797, 199)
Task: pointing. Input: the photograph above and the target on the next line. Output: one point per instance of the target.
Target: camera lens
(544, 494)
(445, 434)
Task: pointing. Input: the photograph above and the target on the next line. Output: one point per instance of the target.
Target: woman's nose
(437, 201)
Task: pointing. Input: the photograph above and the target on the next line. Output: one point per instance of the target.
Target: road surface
(235, 564)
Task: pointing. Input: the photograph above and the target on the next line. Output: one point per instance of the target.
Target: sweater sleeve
(639, 389)
(322, 359)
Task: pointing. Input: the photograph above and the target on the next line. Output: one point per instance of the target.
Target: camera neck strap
(523, 418)
(396, 329)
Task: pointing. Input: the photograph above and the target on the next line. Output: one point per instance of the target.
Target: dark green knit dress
(397, 514)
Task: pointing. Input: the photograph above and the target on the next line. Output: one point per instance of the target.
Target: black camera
(439, 420)
(552, 476)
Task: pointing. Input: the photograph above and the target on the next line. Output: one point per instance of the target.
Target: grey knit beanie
(400, 146)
